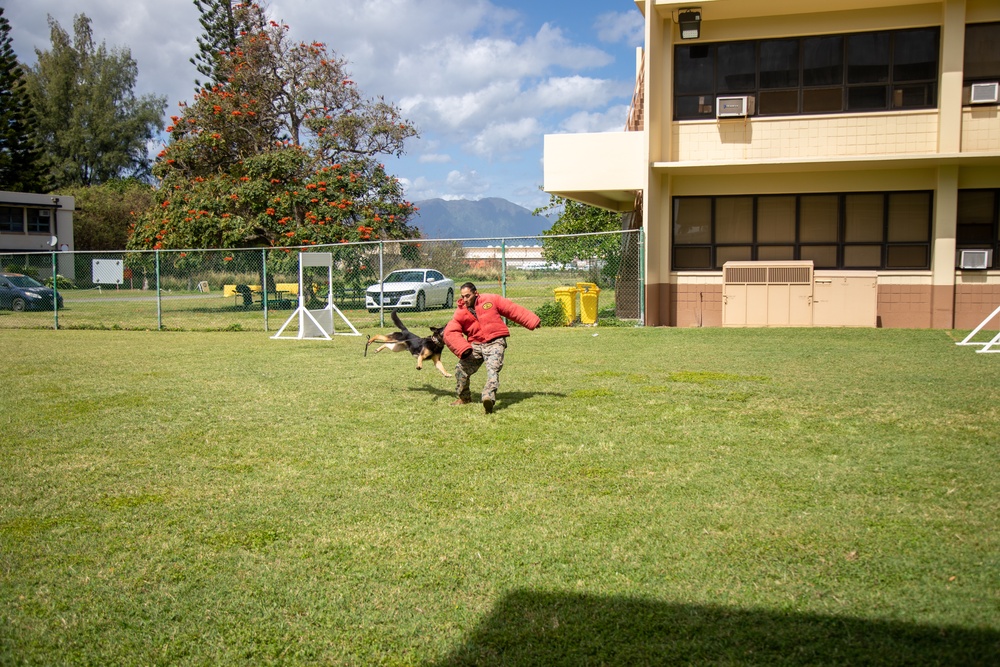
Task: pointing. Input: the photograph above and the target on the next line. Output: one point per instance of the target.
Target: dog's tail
(368, 342)
(399, 323)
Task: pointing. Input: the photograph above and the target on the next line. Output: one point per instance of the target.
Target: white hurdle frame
(987, 346)
(310, 328)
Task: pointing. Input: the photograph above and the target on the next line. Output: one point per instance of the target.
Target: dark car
(21, 292)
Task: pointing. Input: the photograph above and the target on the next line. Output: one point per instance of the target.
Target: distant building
(516, 256)
(37, 223)
(861, 139)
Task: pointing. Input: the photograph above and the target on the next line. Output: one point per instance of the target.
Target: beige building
(797, 163)
(36, 223)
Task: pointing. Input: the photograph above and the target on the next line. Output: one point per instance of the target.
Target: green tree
(91, 126)
(221, 22)
(20, 168)
(577, 218)
(282, 152)
(105, 213)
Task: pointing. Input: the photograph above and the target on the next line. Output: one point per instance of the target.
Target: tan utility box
(845, 298)
(767, 294)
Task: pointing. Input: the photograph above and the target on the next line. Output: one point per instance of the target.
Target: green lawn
(640, 496)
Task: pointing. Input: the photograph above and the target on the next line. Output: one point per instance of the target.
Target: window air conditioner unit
(734, 107)
(975, 259)
(44, 213)
(985, 93)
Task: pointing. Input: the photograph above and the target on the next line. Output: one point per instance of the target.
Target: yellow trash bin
(588, 302)
(566, 297)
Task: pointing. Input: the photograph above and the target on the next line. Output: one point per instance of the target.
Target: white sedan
(414, 289)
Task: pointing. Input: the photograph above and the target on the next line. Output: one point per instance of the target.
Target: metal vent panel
(768, 273)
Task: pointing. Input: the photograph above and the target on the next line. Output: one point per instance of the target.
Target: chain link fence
(259, 289)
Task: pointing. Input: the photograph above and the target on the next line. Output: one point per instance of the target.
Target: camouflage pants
(492, 355)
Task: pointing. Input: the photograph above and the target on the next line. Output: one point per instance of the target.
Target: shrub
(551, 314)
(61, 283)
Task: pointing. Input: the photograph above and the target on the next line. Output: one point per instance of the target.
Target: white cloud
(419, 189)
(456, 111)
(461, 62)
(610, 120)
(434, 158)
(467, 185)
(453, 185)
(501, 139)
(574, 92)
(625, 27)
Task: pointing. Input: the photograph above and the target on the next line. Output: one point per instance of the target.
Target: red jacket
(486, 323)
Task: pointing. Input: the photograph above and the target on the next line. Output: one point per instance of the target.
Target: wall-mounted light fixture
(690, 22)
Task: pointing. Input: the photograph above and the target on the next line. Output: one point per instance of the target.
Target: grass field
(640, 496)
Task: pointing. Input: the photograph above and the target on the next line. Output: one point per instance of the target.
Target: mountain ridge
(490, 217)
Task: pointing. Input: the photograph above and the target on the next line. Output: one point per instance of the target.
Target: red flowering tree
(284, 152)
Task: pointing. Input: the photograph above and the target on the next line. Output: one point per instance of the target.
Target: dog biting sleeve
(454, 338)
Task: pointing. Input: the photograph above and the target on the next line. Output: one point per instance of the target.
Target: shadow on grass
(532, 628)
(504, 399)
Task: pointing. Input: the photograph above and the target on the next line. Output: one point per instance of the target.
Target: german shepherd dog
(430, 347)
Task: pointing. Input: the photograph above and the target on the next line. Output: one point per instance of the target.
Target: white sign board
(316, 259)
(108, 272)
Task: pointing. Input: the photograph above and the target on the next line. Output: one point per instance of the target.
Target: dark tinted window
(977, 216)
(737, 67)
(11, 219)
(39, 220)
(847, 231)
(823, 61)
(873, 71)
(982, 51)
(695, 69)
(779, 63)
(868, 58)
(915, 55)
(867, 98)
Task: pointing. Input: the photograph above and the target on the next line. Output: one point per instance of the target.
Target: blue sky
(484, 81)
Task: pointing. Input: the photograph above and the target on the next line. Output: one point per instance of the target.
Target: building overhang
(601, 169)
(813, 165)
(719, 10)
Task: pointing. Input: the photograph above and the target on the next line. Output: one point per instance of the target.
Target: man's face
(468, 296)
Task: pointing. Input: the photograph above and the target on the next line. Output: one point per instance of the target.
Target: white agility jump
(988, 345)
(316, 324)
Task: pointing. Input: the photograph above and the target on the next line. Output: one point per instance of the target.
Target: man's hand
(466, 353)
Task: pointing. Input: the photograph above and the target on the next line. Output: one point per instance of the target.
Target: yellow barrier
(290, 288)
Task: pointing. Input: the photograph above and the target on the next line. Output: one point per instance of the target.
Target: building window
(861, 72)
(836, 231)
(979, 221)
(982, 58)
(39, 221)
(12, 219)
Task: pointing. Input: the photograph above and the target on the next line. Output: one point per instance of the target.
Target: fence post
(642, 278)
(159, 296)
(503, 268)
(55, 290)
(263, 287)
(381, 278)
